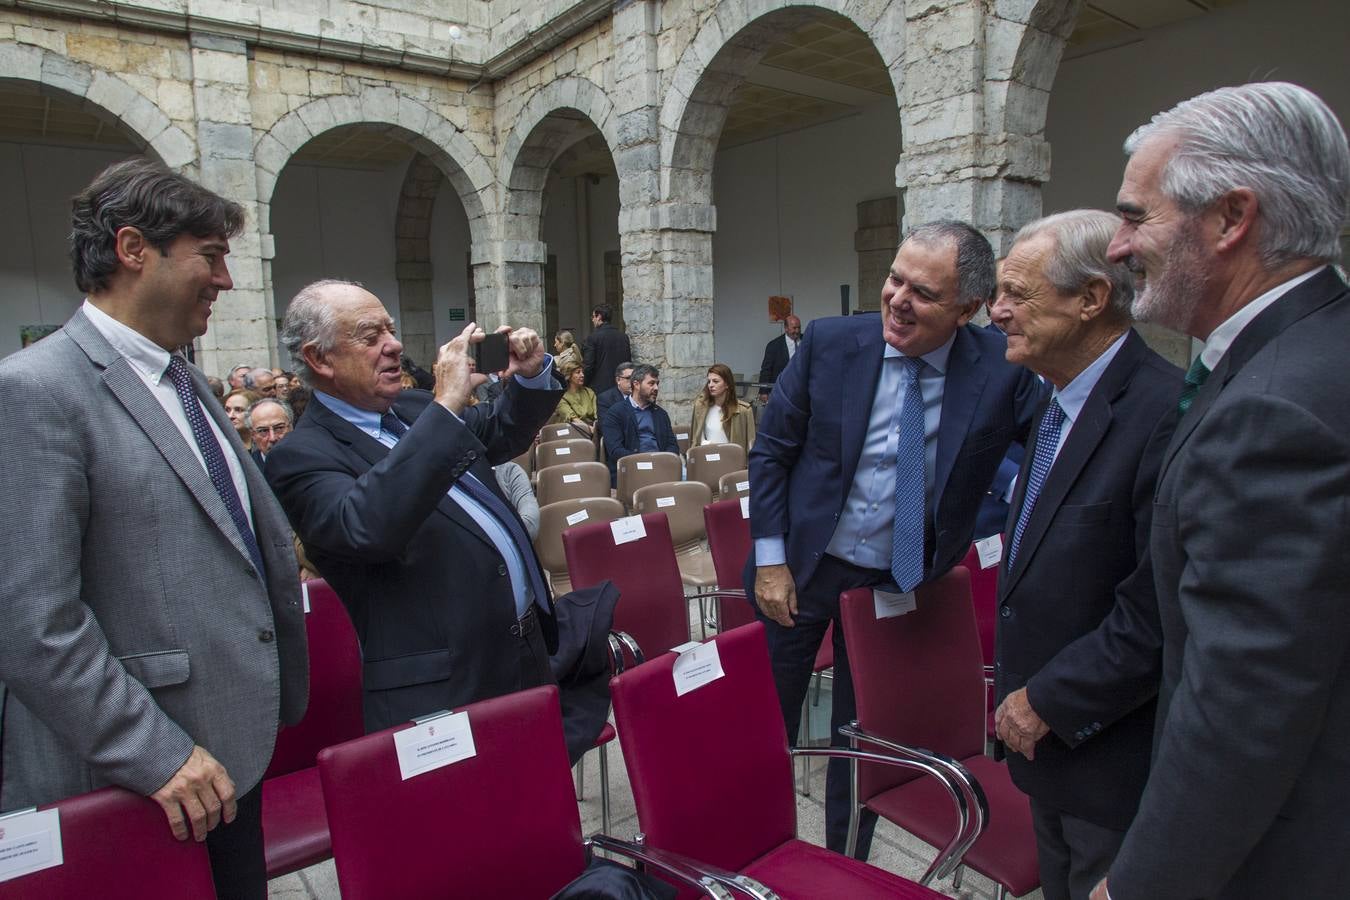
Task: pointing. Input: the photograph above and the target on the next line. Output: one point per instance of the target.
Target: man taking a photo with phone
(393, 495)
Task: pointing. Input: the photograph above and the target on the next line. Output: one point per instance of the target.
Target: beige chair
(682, 439)
(554, 519)
(526, 460)
(571, 481)
(638, 469)
(567, 450)
(562, 431)
(709, 462)
(734, 484)
(683, 502)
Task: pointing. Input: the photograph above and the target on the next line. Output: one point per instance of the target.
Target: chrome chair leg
(805, 732)
(956, 877)
(604, 787)
(1001, 893)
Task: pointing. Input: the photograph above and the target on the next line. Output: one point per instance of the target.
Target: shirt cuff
(770, 551)
(541, 382)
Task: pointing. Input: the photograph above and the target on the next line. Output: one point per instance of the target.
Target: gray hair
(624, 365)
(1081, 237)
(974, 256)
(251, 377)
(1278, 139)
(284, 406)
(310, 322)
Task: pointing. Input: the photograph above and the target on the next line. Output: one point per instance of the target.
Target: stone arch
(412, 264)
(104, 94)
(1025, 45)
(410, 121)
(534, 144)
(715, 63)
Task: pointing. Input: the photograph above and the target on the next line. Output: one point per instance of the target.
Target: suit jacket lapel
(1093, 423)
(855, 406)
(1315, 293)
(960, 394)
(127, 386)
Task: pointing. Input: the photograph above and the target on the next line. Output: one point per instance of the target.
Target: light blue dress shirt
(866, 524)
(1076, 392)
(369, 422)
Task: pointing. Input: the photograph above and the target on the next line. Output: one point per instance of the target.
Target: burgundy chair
(500, 824)
(653, 607)
(739, 812)
(729, 541)
(116, 845)
(917, 680)
(984, 595)
(295, 827)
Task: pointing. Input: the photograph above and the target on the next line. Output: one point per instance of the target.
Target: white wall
(786, 217)
(36, 283)
(335, 223)
(1099, 99)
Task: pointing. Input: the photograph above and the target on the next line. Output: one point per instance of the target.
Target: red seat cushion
(295, 822)
(1006, 852)
(799, 869)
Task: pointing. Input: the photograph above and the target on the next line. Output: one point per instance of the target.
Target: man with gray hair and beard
(1233, 204)
(1076, 664)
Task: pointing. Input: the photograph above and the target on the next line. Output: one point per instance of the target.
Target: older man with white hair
(1233, 204)
(1076, 665)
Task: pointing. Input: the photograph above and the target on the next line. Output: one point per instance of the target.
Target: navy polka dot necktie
(907, 538)
(1047, 441)
(213, 456)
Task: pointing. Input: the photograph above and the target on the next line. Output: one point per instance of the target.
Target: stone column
(242, 331)
(961, 160)
(666, 247)
(413, 268)
(875, 241)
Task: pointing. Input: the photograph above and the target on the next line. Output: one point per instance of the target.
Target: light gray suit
(134, 623)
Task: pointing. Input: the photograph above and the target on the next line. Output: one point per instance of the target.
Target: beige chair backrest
(638, 469)
(526, 459)
(560, 432)
(682, 502)
(682, 440)
(709, 462)
(570, 481)
(567, 450)
(734, 484)
(555, 518)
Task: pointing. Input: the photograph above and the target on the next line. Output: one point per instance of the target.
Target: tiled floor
(892, 849)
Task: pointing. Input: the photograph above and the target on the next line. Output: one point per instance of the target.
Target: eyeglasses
(277, 430)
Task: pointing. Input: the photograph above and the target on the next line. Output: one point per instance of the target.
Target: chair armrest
(712, 881)
(961, 785)
(618, 642)
(717, 592)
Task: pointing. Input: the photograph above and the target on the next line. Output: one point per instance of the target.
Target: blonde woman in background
(237, 403)
(720, 418)
(565, 350)
(577, 405)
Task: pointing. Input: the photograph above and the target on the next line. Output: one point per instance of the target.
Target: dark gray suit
(135, 625)
(1251, 555)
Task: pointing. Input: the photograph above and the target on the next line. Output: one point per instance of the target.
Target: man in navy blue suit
(857, 479)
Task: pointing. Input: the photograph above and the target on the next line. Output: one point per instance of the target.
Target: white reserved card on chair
(745, 507)
(432, 743)
(563, 451)
(29, 842)
(713, 457)
(564, 432)
(889, 605)
(696, 667)
(580, 515)
(628, 529)
(644, 466)
(990, 551)
(571, 478)
(304, 594)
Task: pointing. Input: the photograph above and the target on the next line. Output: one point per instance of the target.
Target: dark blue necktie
(1047, 439)
(480, 492)
(907, 535)
(213, 456)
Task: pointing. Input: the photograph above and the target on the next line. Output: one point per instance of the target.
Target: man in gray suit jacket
(1233, 204)
(153, 633)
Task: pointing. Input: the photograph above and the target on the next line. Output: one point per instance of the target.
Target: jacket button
(1005, 612)
(265, 635)
(501, 568)
(472, 455)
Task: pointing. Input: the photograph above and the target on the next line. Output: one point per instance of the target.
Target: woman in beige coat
(720, 418)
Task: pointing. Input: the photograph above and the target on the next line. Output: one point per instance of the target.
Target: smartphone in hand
(492, 354)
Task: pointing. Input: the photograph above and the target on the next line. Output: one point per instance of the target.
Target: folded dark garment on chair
(581, 664)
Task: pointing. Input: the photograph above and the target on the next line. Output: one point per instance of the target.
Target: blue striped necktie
(1047, 439)
(907, 542)
(500, 511)
(213, 457)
